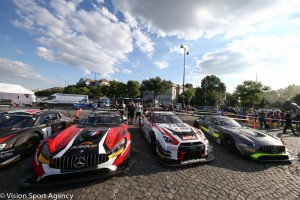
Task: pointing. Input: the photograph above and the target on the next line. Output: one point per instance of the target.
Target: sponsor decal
(171, 148)
(189, 137)
(193, 161)
(84, 146)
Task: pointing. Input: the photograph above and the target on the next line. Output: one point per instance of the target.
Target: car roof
(218, 116)
(105, 112)
(163, 112)
(30, 112)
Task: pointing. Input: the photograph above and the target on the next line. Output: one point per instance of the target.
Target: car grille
(192, 150)
(272, 149)
(77, 162)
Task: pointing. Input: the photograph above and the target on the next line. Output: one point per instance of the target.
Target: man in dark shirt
(288, 123)
(262, 119)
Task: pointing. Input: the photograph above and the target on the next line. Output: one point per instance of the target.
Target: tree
(156, 86)
(296, 99)
(189, 93)
(133, 89)
(250, 93)
(116, 89)
(212, 90)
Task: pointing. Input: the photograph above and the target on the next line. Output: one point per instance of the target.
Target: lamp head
(181, 46)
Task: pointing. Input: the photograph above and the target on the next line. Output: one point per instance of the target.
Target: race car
(99, 142)
(174, 141)
(249, 142)
(22, 130)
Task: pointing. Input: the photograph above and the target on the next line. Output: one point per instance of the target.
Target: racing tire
(30, 145)
(196, 125)
(228, 143)
(153, 143)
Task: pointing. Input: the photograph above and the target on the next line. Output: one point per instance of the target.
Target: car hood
(255, 135)
(181, 130)
(79, 139)
(4, 132)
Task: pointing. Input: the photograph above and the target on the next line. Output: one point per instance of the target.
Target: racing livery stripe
(257, 155)
(101, 147)
(68, 146)
(216, 135)
(5, 138)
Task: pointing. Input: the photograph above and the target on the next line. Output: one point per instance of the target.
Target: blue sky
(52, 43)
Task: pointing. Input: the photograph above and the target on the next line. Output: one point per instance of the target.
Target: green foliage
(212, 90)
(133, 89)
(155, 86)
(189, 93)
(250, 93)
(296, 99)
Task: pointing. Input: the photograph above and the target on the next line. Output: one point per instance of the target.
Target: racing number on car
(47, 131)
(211, 130)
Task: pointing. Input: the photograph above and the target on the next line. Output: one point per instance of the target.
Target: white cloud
(126, 71)
(143, 42)
(161, 64)
(19, 72)
(274, 59)
(88, 39)
(193, 19)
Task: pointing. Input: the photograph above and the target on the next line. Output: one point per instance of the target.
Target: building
(170, 97)
(89, 82)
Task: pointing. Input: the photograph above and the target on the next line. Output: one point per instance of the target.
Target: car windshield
(226, 122)
(18, 121)
(102, 119)
(163, 118)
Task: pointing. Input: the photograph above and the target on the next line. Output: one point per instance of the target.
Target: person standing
(131, 109)
(138, 110)
(278, 118)
(262, 119)
(288, 123)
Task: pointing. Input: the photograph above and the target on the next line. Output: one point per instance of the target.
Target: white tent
(16, 93)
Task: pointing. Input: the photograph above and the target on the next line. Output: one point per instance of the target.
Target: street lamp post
(95, 75)
(185, 52)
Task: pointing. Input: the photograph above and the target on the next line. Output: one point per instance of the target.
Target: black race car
(249, 142)
(22, 130)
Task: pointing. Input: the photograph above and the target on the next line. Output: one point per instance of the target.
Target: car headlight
(246, 141)
(118, 149)
(2, 146)
(167, 139)
(44, 155)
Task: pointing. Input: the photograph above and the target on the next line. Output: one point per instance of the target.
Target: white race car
(176, 142)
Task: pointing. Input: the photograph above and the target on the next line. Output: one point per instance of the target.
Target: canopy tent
(10, 88)
(16, 93)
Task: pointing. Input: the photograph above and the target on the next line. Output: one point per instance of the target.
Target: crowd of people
(268, 119)
(134, 110)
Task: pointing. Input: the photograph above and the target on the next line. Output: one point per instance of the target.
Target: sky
(54, 43)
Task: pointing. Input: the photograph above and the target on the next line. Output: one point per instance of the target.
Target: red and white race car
(176, 142)
(99, 143)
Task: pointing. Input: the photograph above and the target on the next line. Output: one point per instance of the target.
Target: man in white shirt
(138, 110)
